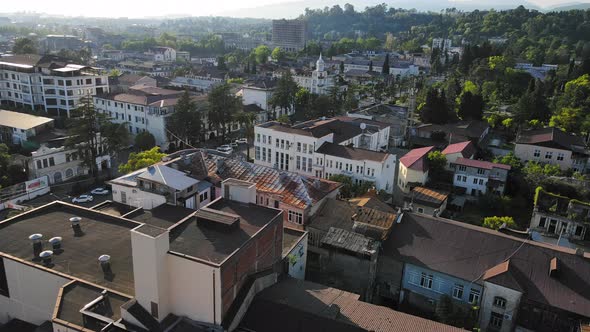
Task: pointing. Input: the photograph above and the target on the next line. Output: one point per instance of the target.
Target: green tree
(114, 73)
(496, 222)
(436, 165)
(385, 68)
(24, 46)
(350, 101)
(221, 63)
(141, 159)
(278, 54)
(346, 189)
(145, 141)
(434, 109)
(223, 105)
(284, 94)
(510, 159)
(470, 106)
(246, 120)
(186, 122)
(261, 53)
(91, 133)
(4, 164)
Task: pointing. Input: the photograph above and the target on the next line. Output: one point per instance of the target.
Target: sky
(135, 8)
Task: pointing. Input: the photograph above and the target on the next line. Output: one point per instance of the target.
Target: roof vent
(46, 256)
(37, 244)
(553, 267)
(105, 264)
(56, 243)
(580, 252)
(76, 226)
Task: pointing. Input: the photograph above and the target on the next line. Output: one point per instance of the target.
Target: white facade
(363, 170)
(138, 117)
(408, 176)
(61, 164)
(196, 83)
(442, 43)
(257, 96)
(163, 54)
(320, 82)
(56, 91)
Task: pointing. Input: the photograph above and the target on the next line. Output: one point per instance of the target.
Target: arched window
(69, 173)
(57, 177)
(500, 302)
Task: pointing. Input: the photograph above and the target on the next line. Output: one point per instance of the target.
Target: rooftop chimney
(76, 226)
(105, 264)
(46, 257)
(37, 244)
(55, 243)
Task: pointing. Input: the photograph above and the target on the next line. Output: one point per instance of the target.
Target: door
(123, 197)
(552, 226)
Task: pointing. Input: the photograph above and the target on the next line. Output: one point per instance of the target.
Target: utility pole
(412, 109)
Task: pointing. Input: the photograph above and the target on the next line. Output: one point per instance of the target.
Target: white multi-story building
(60, 163)
(142, 108)
(320, 81)
(162, 54)
(302, 148)
(478, 177)
(17, 128)
(196, 83)
(48, 83)
(442, 43)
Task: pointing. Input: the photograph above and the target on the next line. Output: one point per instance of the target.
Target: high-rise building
(289, 35)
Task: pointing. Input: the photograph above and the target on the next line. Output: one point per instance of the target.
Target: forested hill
(539, 37)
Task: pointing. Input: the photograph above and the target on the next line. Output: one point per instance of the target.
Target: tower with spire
(320, 65)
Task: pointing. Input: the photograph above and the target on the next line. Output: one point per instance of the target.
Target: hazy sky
(135, 8)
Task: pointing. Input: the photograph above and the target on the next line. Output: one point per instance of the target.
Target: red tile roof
(480, 164)
(467, 149)
(415, 158)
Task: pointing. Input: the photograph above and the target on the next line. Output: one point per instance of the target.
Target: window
(420, 210)
(277, 140)
(578, 231)
(481, 171)
(295, 217)
(537, 153)
(464, 179)
(257, 152)
(45, 165)
(298, 146)
(304, 166)
(542, 222)
(549, 155)
(462, 168)
(39, 164)
(298, 163)
(282, 144)
(474, 181)
(304, 148)
(458, 292)
(474, 296)
(154, 309)
(500, 302)
(309, 165)
(257, 137)
(481, 182)
(263, 154)
(560, 156)
(426, 280)
(204, 196)
(496, 320)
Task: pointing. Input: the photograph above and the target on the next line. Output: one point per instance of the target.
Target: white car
(225, 149)
(242, 141)
(100, 191)
(83, 199)
(234, 145)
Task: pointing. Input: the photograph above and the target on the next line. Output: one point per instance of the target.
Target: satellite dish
(363, 126)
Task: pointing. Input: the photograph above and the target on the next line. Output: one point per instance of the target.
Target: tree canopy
(141, 159)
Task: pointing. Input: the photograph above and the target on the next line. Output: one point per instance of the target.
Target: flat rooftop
(102, 234)
(290, 237)
(163, 216)
(22, 121)
(114, 208)
(77, 295)
(213, 241)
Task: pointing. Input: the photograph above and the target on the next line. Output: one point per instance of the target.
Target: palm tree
(246, 120)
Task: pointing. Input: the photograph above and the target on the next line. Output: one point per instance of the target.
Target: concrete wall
(526, 152)
(33, 293)
(194, 290)
(151, 278)
(136, 197)
(389, 278)
(512, 298)
(405, 176)
(297, 259)
(256, 96)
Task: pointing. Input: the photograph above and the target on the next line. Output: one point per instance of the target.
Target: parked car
(242, 141)
(100, 191)
(234, 145)
(83, 199)
(225, 149)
